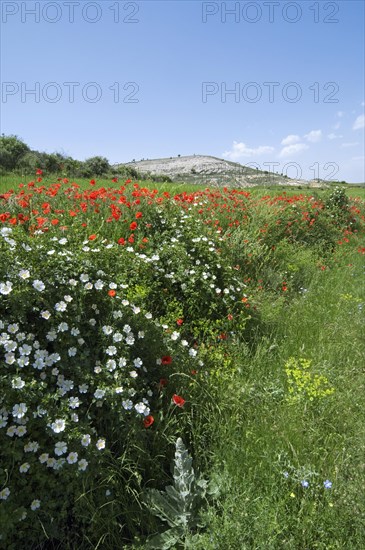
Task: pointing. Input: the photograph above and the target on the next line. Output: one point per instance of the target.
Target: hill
(208, 170)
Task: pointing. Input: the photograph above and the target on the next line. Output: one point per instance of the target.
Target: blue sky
(152, 79)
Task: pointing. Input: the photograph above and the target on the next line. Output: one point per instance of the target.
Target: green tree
(12, 150)
(96, 166)
(30, 161)
(53, 163)
(72, 168)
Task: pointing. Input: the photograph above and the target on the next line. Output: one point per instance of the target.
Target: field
(181, 367)
(11, 181)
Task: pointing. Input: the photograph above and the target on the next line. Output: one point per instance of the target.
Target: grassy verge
(269, 448)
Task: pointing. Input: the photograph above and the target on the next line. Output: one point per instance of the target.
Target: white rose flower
(60, 448)
(100, 444)
(72, 458)
(58, 425)
(35, 504)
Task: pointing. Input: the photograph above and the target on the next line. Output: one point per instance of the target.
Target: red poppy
(41, 221)
(163, 382)
(39, 172)
(178, 400)
(111, 293)
(139, 215)
(179, 322)
(115, 180)
(133, 226)
(148, 421)
(92, 237)
(121, 241)
(92, 182)
(166, 360)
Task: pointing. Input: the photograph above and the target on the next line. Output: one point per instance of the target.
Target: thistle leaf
(179, 503)
(165, 540)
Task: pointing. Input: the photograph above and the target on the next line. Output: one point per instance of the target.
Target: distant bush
(30, 162)
(16, 156)
(96, 166)
(162, 178)
(12, 150)
(337, 204)
(129, 172)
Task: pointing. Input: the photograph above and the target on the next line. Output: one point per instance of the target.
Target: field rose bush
(81, 369)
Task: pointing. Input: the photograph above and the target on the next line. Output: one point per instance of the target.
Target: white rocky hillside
(207, 170)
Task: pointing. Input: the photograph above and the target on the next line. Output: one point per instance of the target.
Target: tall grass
(265, 446)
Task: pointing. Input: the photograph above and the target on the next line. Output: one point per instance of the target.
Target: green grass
(356, 191)
(260, 435)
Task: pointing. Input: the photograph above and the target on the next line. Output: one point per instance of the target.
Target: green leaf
(165, 540)
(179, 504)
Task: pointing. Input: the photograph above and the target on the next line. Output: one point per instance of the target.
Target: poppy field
(215, 329)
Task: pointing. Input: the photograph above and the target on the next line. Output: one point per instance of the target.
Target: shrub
(96, 166)
(12, 150)
(81, 383)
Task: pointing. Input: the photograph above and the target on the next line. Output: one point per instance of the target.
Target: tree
(30, 161)
(53, 163)
(12, 149)
(96, 166)
(73, 168)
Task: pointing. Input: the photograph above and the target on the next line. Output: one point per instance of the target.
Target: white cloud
(340, 114)
(290, 140)
(363, 104)
(240, 150)
(352, 144)
(334, 136)
(359, 123)
(314, 136)
(336, 126)
(293, 149)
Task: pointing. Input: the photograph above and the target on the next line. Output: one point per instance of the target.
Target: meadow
(181, 367)
(10, 181)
